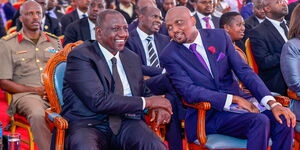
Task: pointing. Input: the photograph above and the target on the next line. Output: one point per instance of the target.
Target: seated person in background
(126, 8)
(200, 68)
(84, 29)
(234, 25)
(104, 93)
(290, 59)
(148, 44)
(23, 55)
(204, 15)
(54, 10)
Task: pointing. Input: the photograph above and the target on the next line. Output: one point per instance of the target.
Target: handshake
(160, 109)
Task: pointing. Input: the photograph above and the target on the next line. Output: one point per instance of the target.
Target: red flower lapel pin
(212, 49)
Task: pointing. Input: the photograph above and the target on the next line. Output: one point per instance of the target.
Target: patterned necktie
(206, 19)
(283, 26)
(115, 120)
(152, 55)
(200, 58)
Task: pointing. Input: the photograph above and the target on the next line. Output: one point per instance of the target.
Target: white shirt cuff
(163, 71)
(228, 102)
(264, 101)
(144, 103)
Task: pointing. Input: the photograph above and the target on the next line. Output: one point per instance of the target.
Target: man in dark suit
(291, 8)
(48, 23)
(2, 28)
(267, 40)
(84, 29)
(53, 10)
(104, 93)
(257, 18)
(148, 44)
(79, 13)
(201, 69)
(203, 15)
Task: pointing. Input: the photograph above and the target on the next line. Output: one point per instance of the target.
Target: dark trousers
(257, 128)
(160, 85)
(133, 135)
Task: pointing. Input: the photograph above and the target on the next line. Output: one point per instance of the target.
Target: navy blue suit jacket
(88, 85)
(134, 43)
(266, 44)
(78, 30)
(195, 84)
(67, 19)
(215, 20)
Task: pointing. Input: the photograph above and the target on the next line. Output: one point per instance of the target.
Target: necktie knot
(193, 47)
(206, 19)
(84, 15)
(114, 60)
(149, 38)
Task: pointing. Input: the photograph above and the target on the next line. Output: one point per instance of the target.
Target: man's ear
(193, 20)
(226, 28)
(21, 19)
(98, 32)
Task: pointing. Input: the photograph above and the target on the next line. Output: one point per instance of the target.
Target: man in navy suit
(144, 36)
(203, 15)
(267, 40)
(79, 13)
(84, 29)
(200, 64)
(105, 96)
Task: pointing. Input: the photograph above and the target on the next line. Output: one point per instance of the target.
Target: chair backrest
(250, 57)
(54, 74)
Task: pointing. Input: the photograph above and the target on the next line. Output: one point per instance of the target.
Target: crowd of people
(150, 55)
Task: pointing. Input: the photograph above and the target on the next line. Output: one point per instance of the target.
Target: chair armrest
(202, 107)
(283, 100)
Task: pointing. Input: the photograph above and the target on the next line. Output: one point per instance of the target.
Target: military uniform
(23, 62)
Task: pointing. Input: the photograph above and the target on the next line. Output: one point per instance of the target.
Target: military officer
(23, 56)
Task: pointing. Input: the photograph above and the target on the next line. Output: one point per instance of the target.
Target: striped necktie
(154, 62)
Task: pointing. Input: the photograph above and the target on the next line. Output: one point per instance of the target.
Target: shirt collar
(122, 7)
(80, 13)
(202, 16)
(275, 22)
(142, 34)
(108, 55)
(198, 41)
(259, 20)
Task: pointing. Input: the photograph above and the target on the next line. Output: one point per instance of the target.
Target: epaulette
(9, 36)
(51, 35)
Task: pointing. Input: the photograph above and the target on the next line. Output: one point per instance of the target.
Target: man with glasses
(204, 17)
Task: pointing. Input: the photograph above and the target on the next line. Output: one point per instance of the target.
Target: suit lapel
(102, 64)
(209, 41)
(198, 23)
(130, 70)
(192, 59)
(273, 30)
(158, 43)
(85, 29)
(140, 47)
(215, 21)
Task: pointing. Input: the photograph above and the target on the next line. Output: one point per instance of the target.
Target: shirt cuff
(264, 101)
(163, 71)
(144, 103)
(228, 102)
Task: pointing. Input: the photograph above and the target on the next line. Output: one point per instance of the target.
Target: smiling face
(31, 16)
(236, 28)
(113, 33)
(181, 25)
(150, 20)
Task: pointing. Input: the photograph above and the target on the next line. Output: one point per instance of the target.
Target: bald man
(201, 69)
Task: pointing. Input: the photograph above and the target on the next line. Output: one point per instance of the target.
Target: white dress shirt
(203, 23)
(108, 56)
(80, 13)
(52, 13)
(92, 29)
(276, 24)
(259, 20)
(201, 50)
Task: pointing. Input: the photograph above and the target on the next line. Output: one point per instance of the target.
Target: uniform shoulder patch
(9, 36)
(51, 35)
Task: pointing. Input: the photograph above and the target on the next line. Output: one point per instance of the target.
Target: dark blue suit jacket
(195, 84)
(134, 43)
(215, 20)
(266, 44)
(67, 19)
(88, 85)
(78, 30)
